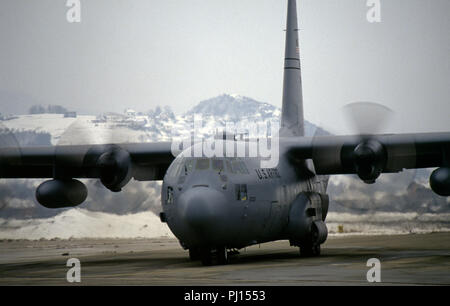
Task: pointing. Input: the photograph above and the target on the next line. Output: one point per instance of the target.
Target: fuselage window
(241, 192)
(202, 164)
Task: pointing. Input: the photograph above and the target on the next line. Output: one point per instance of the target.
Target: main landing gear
(312, 248)
(318, 235)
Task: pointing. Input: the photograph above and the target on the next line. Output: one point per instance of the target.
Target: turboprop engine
(110, 163)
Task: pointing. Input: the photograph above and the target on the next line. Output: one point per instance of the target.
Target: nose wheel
(194, 254)
(310, 250)
(214, 256)
(222, 256)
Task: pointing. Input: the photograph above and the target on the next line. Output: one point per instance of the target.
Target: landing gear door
(274, 221)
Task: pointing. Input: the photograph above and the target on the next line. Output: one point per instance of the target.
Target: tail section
(292, 123)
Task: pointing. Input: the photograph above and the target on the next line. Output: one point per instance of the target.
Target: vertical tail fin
(292, 107)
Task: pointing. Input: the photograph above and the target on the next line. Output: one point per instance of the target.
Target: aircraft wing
(369, 156)
(113, 164)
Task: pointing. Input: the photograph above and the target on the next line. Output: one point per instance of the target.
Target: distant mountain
(158, 124)
(234, 107)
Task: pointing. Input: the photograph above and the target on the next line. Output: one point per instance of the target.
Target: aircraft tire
(206, 257)
(194, 254)
(222, 256)
(310, 250)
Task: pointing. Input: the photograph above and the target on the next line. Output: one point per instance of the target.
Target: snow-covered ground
(80, 130)
(81, 223)
(387, 223)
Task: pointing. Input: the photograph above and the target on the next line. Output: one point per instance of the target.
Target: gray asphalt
(405, 259)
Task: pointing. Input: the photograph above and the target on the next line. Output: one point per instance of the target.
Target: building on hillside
(130, 112)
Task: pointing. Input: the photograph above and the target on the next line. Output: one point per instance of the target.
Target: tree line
(51, 109)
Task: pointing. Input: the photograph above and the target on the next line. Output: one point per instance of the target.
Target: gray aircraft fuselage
(234, 203)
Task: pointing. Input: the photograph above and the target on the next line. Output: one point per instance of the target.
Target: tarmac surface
(415, 259)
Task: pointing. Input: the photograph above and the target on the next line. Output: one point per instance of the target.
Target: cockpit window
(243, 167)
(188, 166)
(174, 168)
(229, 168)
(238, 166)
(202, 164)
(180, 167)
(217, 164)
(184, 166)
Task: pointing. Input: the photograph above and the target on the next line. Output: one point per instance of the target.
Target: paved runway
(405, 259)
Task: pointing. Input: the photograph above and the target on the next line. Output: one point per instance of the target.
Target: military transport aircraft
(216, 204)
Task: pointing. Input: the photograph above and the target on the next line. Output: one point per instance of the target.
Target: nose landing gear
(310, 250)
(194, 254)
(209, 256)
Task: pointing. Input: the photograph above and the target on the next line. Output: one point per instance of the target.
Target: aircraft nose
(203, 209)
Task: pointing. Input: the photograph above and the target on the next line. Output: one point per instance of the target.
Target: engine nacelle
(440, 181)
(369, 160)
(61, 193)
(115, 168)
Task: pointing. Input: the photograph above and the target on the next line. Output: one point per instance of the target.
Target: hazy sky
(143, 53)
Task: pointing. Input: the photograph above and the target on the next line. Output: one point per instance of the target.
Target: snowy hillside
(160, 124)
(235, 108)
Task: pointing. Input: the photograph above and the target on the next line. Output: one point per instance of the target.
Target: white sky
(143, 53)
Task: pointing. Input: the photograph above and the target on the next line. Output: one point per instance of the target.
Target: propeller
(99, 140)
(7, 140)
(369, 157)
(367, 118)
(109, 161)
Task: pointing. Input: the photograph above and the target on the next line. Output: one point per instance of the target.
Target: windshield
(217, 164)
(202, 164)
(185, 166)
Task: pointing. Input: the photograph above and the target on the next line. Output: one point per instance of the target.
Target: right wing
(113, 164)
